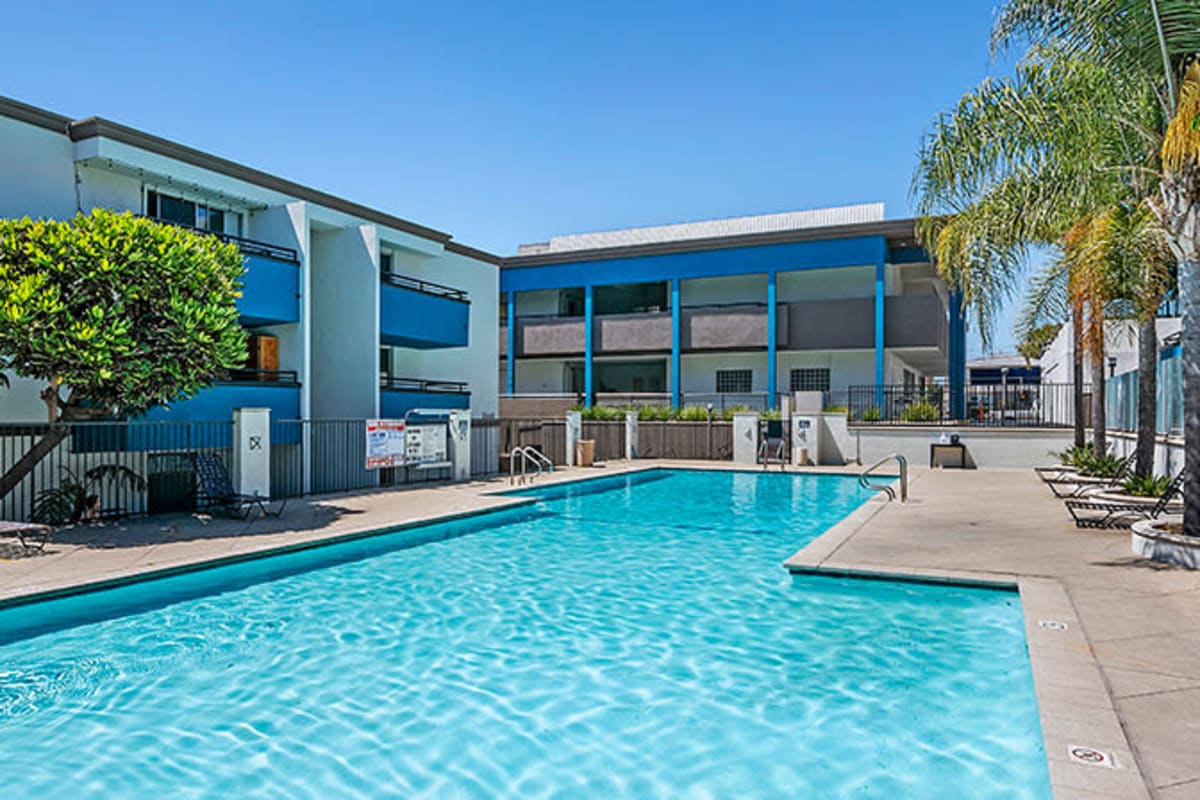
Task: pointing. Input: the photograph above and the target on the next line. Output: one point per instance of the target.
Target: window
(809, 379)
(385, 263)
(735, 381)
(191, 214)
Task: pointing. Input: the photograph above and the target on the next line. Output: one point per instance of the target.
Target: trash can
(585, 452)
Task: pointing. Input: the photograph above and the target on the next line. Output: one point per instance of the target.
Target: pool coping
(1076, 710)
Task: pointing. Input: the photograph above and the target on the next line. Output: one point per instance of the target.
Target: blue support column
(771, 339)
(956, 356)
(676, 372)
(511, 316)
(880, 293)
(589, 318)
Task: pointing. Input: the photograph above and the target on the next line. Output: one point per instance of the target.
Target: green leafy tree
(116, 314)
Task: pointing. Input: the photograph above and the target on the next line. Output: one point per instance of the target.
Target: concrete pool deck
(1123, 677)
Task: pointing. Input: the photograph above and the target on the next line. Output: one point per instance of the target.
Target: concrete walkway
(1133, 625)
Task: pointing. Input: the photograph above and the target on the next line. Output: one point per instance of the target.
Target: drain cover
(1081, 754)
(1053, 624)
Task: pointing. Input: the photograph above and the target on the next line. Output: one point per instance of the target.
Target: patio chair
(26, 532)
(1104, 514)
(771, 449)
(1076, 485)
(216, 491)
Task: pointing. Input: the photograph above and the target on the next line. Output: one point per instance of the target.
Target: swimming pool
(631, 636)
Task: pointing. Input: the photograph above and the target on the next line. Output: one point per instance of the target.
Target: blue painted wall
(270, 291)
(218, 402)
(408, 318)
(393, 404)
(855, 251)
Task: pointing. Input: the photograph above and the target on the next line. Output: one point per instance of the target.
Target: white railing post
(574, 430)
(252, 451)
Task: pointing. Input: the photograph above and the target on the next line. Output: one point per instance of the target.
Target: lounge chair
(1076, 485)
(1105, 514)
(771, 450)
(26, 532)
(216, 491)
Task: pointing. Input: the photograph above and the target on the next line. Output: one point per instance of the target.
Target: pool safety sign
(386, 443)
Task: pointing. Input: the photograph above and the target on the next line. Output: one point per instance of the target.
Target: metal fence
(1121, 399)
(1048, 405)
(105, 470)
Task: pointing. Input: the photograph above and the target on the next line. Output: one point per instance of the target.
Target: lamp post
(1112, 366)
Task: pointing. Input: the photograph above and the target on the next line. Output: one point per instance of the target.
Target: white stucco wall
(1120, 340)
(540, 303)
(345, 317)
(37, 173)
(476, 363)
(717, 291)
(699, 370)
(540, 376)
(823, 284)
(846, 367)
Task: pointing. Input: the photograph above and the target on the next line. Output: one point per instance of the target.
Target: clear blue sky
(508, 123)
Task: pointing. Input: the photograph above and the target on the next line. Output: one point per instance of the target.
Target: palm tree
(1037, 159)
(1154, 44)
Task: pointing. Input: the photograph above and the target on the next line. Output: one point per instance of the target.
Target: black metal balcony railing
(249, 247)
(421, 385)
(1048, 405)
(425, 287)
(286, 377)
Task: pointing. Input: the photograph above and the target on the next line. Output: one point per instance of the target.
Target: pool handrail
(865, 482)
(528, 455)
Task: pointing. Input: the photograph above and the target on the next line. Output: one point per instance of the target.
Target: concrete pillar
(880, 295)
(574, 431)
(745, 438)
(631, 434)
(771, 340)
(676, 372)
(459, 450)
(589, 319)
(806, 439)
(252, 451)
(511, 375)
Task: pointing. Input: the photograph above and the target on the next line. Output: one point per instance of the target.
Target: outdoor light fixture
(1112, 366)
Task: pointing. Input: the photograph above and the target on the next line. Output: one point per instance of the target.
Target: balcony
(399, 395)
(271, 283)
(737, 326)
(422, 315)
(276, 390)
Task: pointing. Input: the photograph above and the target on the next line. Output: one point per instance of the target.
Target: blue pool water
(628, 637)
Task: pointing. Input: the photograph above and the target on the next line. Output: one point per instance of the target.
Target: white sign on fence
(426, 444)
(386, 444)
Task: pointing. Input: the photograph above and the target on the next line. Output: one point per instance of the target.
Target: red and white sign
(385, 443)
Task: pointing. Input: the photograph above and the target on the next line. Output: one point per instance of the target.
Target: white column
(745, 438)
(806, 439)
(252, 451)
(460, 445)
(574, 428)
(631, 434)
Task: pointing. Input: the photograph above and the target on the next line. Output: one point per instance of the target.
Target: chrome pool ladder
(864, 478)
(529, 457)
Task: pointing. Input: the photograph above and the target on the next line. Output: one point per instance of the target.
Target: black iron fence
(1047, 405)
(88, 471)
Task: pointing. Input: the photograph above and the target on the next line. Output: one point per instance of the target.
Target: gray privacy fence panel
(485, 447)
(711, 441)
(547, 436)
(608, 436)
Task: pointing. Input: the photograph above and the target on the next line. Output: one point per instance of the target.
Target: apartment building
(750, 308)
(353, 312)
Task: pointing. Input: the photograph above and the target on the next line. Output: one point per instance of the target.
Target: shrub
(870, 414)
(1148, 486)
(654, 413)
(770, 413)
(834, 408)
(1100, 466)
(727, 414)
(692, 414)
(920, 412)
(1075, 456)
(600, 413)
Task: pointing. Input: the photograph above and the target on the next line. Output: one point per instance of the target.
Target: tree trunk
(1189, 309)
(1099, 422)
(1147, 402)
(25, 464)
(1077, 377)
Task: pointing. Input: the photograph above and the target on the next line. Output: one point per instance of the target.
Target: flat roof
(709, 229)
(899, 233)
(87, 128)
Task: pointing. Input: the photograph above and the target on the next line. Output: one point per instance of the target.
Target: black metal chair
(772, 448)
(1121, 515)
(216, 490)
(1076, 485)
